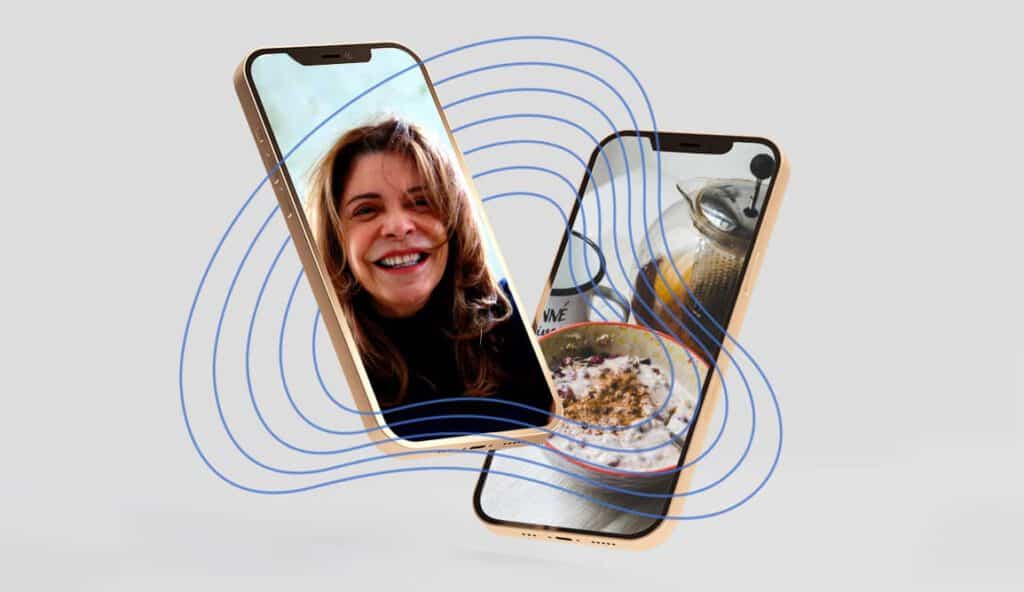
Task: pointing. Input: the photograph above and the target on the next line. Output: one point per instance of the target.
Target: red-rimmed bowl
(616, 339)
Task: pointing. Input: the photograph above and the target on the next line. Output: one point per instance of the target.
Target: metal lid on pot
(718, 213)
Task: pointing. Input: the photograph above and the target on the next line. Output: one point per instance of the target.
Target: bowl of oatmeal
(629, 394)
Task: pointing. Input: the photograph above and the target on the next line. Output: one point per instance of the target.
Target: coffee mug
(576, 282)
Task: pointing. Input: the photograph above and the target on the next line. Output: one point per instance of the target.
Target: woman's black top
(434, 374)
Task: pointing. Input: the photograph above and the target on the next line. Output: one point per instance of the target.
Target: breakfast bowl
(628, 397)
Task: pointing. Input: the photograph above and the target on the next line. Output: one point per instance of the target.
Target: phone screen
(626, 266)
(402, 238)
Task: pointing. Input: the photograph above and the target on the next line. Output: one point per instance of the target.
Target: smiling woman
(396, 243)
(395, 229)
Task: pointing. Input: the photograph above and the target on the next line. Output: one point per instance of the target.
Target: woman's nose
(398, 224)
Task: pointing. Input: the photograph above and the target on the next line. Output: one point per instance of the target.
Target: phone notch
(692, 143)
(344, 54)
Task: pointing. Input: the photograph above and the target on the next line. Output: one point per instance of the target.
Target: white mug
(576, 281)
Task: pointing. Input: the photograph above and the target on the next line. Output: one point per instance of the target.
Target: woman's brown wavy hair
(477, 303)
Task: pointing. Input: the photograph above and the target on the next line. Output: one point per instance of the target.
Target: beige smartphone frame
(661, 531)
(341, 337)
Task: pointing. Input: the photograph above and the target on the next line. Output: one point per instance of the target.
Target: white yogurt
(620, 391)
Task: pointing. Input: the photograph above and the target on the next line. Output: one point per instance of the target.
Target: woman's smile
(402, 261)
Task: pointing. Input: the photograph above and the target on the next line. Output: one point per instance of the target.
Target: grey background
(887, 313)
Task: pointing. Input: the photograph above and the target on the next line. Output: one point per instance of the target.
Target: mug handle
(612, 297)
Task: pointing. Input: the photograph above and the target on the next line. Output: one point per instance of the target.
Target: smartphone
(392, 235)
(626, 307)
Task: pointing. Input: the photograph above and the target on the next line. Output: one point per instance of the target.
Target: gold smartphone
(632, 323)
(392, 235)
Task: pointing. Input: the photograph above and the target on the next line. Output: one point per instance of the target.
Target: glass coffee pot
(698, 259)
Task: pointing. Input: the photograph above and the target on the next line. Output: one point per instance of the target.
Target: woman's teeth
(401, 261)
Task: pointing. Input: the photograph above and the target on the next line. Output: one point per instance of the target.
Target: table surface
(518, 500)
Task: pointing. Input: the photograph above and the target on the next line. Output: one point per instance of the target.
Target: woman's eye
(421, 202)
(362, 211)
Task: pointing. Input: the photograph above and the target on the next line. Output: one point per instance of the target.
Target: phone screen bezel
(361, 53)
(659, 142)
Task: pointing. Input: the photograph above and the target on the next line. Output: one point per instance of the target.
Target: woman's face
(390, 234)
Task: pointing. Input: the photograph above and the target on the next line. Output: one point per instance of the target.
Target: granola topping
(608, 393)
